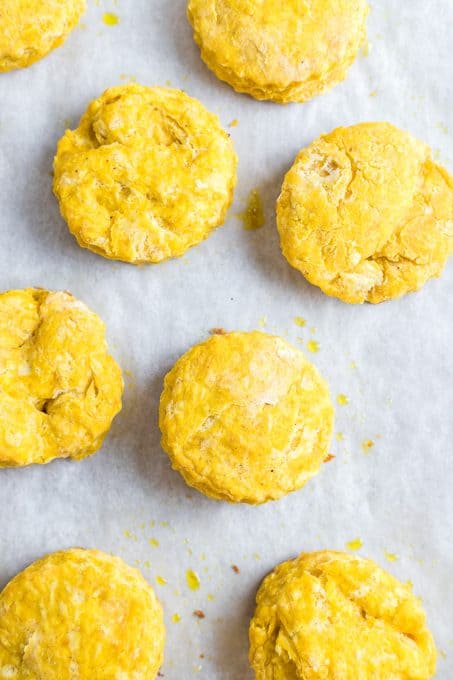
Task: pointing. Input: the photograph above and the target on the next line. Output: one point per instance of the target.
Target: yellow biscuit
(148, 173)
(30, 29)
(245, 417)
(365, 213)
(286, 51)
(80, 615)
(333, 616)
(59, 388)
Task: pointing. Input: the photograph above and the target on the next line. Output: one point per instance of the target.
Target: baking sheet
(394, 361)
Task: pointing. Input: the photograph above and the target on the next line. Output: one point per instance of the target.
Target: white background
(398, 498)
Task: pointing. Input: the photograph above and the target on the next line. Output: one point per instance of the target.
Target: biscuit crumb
(355, 544)
(110, 19)
(390, 557)
(367, 445)
(199, 614)
(313, 346)
(218, 331)
(192, 579)
(235, 568)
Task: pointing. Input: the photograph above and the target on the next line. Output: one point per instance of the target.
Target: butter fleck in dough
(80, 614)
(30, 29)
(59, 387)
(365, 213)
(331, 616)
(148, 173)
(284, 51)
(245, 417)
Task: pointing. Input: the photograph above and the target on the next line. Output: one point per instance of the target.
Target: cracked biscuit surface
(282, 51)
(59, 387)
(80, 615)
(148, 173)
(245, 417)
(334, 616)
(366, 214)
(30, 29)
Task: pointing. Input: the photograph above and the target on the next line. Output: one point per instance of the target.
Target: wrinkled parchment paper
(394, 362)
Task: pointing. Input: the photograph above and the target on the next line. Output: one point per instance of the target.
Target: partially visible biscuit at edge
(59, 387)
(283, 51)
(334, 615)
(30, 29)
(80, 614)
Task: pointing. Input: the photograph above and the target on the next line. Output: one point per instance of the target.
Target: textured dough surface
(365, 213)
(148, 173)
(30, 29)
(59, 387)
(283, 51)
(80, 615)
(245, 417)
(334, 616)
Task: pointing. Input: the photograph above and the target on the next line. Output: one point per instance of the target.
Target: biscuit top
(331, 615)
(79, 615)
(366, 214)
(268, 47)
(148, 173)
(29, 29)
(59, 388)
(245, 417)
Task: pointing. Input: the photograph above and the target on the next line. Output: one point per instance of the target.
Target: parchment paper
(397, 497)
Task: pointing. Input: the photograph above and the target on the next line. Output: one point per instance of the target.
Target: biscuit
(245, 417)
(30, 29)
(148, 173)
(59, 388)
(365, 213)
(284, 51)
(80, 614)
(330, 615)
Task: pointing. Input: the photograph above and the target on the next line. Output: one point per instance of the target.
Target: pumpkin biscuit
(366, 214)
(286, 51)
(80, 614)
(245, 417)
(59, 388)
(334, 616)
(148, 173)
(30, 29)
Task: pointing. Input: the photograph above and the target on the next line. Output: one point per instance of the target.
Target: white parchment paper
(397, 498)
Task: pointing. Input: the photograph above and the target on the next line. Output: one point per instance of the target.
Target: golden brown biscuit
(59, 388)
(148, 173)
(30, 29)
(245, 417)
(365, 213)
(284, 51)
(334, 616)
(80, 615)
